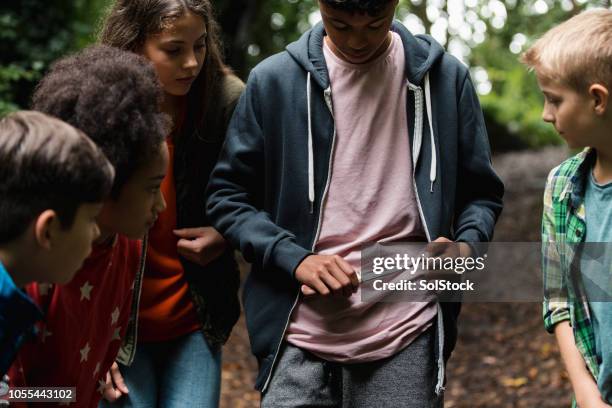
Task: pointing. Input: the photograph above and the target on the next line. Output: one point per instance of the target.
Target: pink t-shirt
(370, 199)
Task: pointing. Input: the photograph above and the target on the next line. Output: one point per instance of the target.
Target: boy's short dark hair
(371, 7)
(114, 97)
(46, 164)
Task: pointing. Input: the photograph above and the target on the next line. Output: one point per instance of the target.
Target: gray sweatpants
(407, 379)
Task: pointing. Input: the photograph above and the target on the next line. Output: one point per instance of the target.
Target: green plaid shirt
(563, 228)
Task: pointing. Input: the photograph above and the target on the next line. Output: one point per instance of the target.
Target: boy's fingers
(331, 282)
(118, 379)
(352, 275)
(340, 276)
(434, 249)
(319, 286)
(348, 271)
(308, 291)
(439, 246)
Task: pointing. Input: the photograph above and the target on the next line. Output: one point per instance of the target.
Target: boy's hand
(115, 386)
(200, 245)
(326, 274)
(443, 247)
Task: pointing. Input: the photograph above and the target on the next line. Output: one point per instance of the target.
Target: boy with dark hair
(359, 132)
(573, 63)
(113, 96)
(53, 180)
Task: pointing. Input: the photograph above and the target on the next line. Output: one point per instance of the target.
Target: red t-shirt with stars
(85, 321)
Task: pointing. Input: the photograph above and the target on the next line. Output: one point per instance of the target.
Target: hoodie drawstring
(418, 128)
(433, 167)
(311, 194)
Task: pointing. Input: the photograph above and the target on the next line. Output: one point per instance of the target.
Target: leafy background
(487, 35)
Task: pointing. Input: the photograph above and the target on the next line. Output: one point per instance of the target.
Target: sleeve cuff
(553, 317)
(287, 255)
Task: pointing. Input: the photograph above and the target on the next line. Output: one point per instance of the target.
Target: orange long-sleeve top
(166, 308)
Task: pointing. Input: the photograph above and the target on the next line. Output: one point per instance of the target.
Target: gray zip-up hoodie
(268, 189)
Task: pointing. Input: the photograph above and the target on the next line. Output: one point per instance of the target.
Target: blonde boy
(573, 64)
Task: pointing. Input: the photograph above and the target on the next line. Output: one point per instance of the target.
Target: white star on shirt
(97, 370)
(115, 315)
(101, 386)
(86, 291)
(85, 352)
(116, 334)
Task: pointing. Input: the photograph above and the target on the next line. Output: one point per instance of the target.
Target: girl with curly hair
(189, 300)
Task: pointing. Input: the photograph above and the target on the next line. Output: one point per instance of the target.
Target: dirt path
(504, 358)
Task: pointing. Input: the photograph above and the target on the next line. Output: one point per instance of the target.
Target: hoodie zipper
(418, 104)
(418, 95)
(328, 102)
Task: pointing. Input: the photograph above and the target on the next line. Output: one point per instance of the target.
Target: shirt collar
(574, 187)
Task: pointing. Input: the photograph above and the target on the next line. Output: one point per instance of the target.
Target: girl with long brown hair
(189, 298)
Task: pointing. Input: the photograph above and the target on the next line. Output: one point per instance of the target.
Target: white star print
(97, 370)
(86, 291)
(115, 316)
(85, 352)
(116, 334)
(101, 386)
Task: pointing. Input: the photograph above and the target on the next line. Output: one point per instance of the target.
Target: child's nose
(547, 116)
(161, 203)
(191, 61)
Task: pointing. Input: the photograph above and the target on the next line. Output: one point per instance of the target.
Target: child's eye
(340, 27)
(375, 27)
(173, 51)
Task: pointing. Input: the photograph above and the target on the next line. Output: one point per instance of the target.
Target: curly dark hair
(46, 164)
(372, 7)
(114, 97)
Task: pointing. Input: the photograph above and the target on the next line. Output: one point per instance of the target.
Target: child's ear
(601, 98)
(44, 228)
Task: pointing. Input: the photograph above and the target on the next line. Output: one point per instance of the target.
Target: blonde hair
(577, 52)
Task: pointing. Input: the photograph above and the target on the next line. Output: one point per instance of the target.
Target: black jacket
(214, 288)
